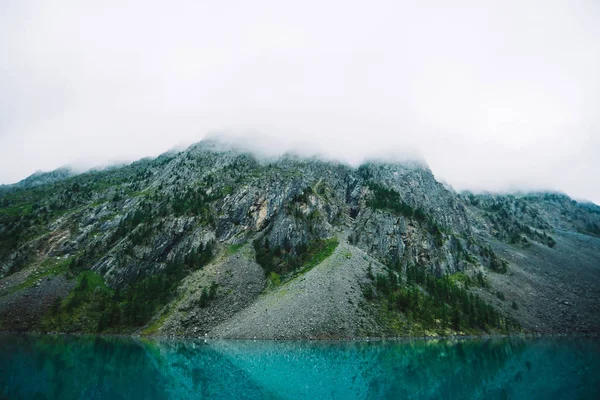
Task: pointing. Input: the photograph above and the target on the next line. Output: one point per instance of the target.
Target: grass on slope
(315, 253)
(48, 268)
(287, 259)
(160, 321)
(318, 252)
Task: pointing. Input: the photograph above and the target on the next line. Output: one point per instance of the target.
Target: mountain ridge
(156, 239)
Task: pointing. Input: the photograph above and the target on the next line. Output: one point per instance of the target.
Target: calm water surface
(71, 367)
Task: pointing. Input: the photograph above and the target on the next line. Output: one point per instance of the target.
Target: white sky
(500, 95)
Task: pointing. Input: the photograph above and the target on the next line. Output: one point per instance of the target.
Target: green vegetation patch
(18, 210)
(196, 201)
(233, 249)
(317, 252)
(467, 281)
(285, 259)
(83, 306)
(496, 263)
(157, 324)
(93, 307)
(390, 200)
(274, 278)
(436, 304)
(460, 277)
(48, 268)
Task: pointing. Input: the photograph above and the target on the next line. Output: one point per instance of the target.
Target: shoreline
(340, 340)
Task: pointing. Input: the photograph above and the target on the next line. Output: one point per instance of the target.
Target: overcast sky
(499, 95)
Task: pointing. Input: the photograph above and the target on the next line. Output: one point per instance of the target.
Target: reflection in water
(88, 367)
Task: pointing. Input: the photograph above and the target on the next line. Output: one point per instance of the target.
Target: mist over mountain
(217, 240)
(496, 96)
(267, 148)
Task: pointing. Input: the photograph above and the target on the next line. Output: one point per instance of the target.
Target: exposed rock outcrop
(221, 217)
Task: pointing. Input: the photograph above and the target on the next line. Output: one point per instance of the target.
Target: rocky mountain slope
(216, 241)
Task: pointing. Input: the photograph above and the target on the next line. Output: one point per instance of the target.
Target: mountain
(42, 178)
(216, 241)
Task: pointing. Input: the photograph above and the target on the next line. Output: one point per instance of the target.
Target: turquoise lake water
(89, 367)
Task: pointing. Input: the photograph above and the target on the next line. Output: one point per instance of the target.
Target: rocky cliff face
(154, 247)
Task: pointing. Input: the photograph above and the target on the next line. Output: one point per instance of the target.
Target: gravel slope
(240, 281)
(325, 302)
(556, 289)
(23, 310)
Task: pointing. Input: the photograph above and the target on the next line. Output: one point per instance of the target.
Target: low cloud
(497, 96)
